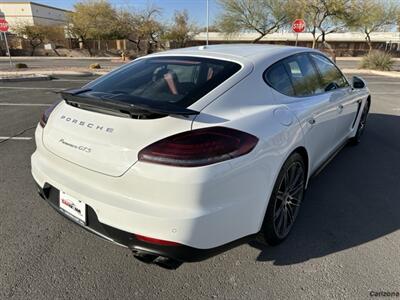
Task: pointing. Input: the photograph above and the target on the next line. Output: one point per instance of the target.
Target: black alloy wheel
(285, 200)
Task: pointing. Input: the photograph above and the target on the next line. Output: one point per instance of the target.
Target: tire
(361, 124)
(286, 198)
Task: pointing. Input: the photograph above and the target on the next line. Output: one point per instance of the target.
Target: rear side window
(179, 80)
(294, 76)
(331, 77)
(278, 78)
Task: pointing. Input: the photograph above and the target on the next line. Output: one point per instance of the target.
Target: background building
(31, 13)
(344, 43)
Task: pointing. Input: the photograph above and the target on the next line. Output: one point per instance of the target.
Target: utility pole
(8, 49)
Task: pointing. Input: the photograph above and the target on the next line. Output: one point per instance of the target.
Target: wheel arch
(304, 154)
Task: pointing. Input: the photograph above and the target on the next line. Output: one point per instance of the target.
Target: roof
(241, 50)
(238, 52)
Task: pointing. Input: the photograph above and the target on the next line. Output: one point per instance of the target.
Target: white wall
(305, 37)
(48, 16)
(31, 14)
(16, 13)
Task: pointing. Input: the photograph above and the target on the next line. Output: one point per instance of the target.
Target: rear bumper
(181, 253)
(202, 208)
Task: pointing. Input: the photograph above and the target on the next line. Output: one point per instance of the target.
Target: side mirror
(358, 83)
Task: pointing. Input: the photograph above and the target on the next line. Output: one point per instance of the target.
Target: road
(346, 241)
(62, 63)
(107, 63)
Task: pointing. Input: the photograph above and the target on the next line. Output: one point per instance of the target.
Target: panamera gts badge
(77, 147)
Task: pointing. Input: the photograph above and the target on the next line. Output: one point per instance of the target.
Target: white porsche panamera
(182, 154)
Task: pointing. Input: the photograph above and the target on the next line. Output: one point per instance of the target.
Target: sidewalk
(392, 74)
(358, 58)
(17, 58)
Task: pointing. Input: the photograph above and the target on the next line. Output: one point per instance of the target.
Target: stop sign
(298, 25)
(3, 25)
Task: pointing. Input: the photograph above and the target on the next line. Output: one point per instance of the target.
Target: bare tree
(322, 18)
(182, 30)
(261, 16)
(140, 27)
(373, 15)
(37, 35)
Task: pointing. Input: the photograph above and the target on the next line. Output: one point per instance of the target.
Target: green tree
(92, 19)
(373, 15)
(182, 30)
(261, 16)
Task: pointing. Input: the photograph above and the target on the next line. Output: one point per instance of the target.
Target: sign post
(299, 25)
(4, 28)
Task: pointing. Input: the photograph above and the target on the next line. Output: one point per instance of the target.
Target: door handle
(340, 108)
(311, 121)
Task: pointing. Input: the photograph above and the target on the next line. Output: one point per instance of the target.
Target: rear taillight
(151, 240)
(46, 114)
(199, 147)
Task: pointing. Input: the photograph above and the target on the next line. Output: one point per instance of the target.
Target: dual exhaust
(161, 261)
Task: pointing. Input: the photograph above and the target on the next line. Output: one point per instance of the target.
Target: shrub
(21, 66)
(377, 60)
(95, 66)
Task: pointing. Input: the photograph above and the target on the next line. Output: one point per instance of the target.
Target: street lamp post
(207, 23)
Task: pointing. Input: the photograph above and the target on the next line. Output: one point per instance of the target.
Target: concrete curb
(23, 78)
(392, 74)
(32, 74)
(357, 58)
(32, 58)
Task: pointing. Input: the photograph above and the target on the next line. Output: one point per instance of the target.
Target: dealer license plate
(73, 208)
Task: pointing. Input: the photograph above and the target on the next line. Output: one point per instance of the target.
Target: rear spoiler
(124, 105)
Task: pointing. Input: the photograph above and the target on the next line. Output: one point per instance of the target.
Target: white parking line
(17, 138)
(23, 104)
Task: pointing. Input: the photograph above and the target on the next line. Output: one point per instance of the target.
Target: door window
(303, 75)
(331, 77)
(294, 76)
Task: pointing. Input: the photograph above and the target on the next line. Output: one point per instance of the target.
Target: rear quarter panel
(249, 107)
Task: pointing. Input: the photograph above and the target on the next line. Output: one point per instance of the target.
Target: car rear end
(136, 174)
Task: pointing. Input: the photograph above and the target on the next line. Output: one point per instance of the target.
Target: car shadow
(354, 200)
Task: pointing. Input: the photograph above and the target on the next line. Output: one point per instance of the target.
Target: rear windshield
(179, 80)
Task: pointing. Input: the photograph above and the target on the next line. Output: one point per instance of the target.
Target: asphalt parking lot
(345, 244)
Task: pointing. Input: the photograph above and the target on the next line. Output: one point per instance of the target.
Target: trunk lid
(102, 142)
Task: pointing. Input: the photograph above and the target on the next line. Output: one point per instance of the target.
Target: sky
(196, 8)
